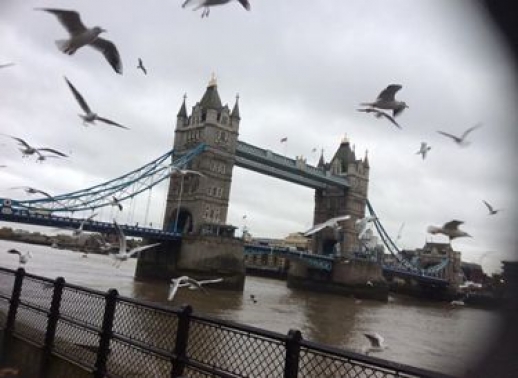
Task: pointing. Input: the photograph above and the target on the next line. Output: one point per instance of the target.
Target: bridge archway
(185, 223)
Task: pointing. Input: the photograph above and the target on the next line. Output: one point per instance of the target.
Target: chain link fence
(114, 336)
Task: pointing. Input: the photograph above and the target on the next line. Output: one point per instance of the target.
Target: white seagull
(361, 225)
(206, 4)
(449, 229)
(31, 190)
(123, 255)
(386, 100)
(492, 211)
(115, 202)
(81, 36)
(378, 114)
(423, 150)
(141, 66)
(376, 343)
(78, 231)
(191, 283)
(175, 170)
(89, 116)
(23, 258)
(461, 141)
(332, 223)
(29, 150)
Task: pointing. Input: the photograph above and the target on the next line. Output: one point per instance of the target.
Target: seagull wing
(316, 228)
(51, 150)
(490, 208)
(110, 122)
(216, 280)
(173, 288)
(367, 110)
(78, 97)
(14, 252)
(245, 4)
(188, 171)
(452, 225)
(22, 142)
(374, 339)
(110, 52)
(390, 118)
(389, 93)
(465, 134)
(69, 19)
(454, 137)
(44, 193)
(5, 65)
(339, 219)
(142, 248)
(122, 238)
(91, 216)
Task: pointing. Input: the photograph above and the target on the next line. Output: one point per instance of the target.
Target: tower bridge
(195, 236)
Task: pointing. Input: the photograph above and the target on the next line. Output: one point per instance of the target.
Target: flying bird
(30, 190)
(81, 36)
(5, 65)
(185, 281)
(332, 223)
(378, 114)
(124, 255)
(386, 100)
(361, 225)
(449, 229)
(206, 4)
(175, 170)
(376, 343)
(492, 211)
(23, 258)
(141, 66)
(28, 150)
(89, 116)
(461, 141)
(115, 202)
(78, 231)
(423, 150)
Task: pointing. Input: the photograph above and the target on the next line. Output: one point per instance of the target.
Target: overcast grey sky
(301, 68)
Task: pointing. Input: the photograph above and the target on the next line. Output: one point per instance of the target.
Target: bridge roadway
(326, 263)
(9, 214)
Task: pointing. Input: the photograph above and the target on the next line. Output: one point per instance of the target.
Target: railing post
(291, 367)
(182, 338)
(13, 309)
(52, 323)
(106, 333)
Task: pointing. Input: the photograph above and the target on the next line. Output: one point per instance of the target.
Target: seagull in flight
(450, 229)
(89, 116)
(361, 225)
(378, 114)
(185, 281)
(29, 150)
(492, 210)
(5, 65)
(23, 258)
(423, 150)
(115, 202)
(78, 231)
(376, 343)
(124, 255)
(30, 190)
(81, 36)
(386, 100)
(332, 223)
(206, 4)
(175, 170)
(461, 141)
(141, 66)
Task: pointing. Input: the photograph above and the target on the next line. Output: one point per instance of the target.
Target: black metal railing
(114, 336)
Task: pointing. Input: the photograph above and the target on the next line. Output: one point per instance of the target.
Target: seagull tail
(64, 46)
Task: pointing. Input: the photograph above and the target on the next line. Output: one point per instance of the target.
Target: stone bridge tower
(204, 200)
(333, 202)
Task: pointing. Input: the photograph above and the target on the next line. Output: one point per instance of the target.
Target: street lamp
(182, 173)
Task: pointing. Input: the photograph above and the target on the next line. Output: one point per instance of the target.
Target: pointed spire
(210, 99)
(183, 110)
(321, 162)
(235, 110)
(366, 159)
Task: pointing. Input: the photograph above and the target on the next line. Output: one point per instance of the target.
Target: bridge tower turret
(204, 200)
(333, 202)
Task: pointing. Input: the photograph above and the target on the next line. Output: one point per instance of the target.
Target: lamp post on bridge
(182, 173)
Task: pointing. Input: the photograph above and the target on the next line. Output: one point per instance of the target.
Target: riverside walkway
(51, 328)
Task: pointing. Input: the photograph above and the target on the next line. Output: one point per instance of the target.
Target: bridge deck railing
(113, 336)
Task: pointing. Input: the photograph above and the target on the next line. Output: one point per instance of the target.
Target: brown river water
(429, 335)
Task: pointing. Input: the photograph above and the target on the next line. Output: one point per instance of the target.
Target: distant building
(473, 272)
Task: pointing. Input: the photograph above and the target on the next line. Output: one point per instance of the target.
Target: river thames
(429, 335)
